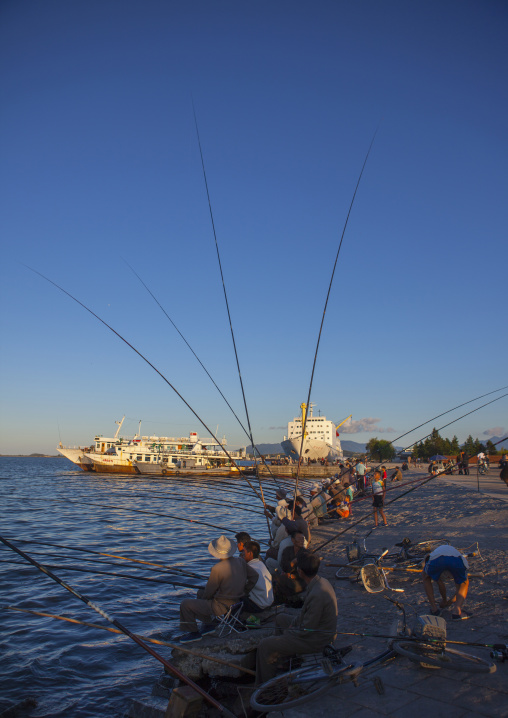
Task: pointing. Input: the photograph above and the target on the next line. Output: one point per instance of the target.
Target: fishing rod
(447, 412)
(325, 308)
(178, 646)
(208, 501)
(137, 511)
(227, 306)
(449, 424)
(188, 345)
(122, 628)
(112, 555)
(131, 346)
(254, 448)
(102, 562)
(110, 573)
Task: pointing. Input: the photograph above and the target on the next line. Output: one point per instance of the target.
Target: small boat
(157, 455)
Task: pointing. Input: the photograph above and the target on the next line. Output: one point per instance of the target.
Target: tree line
(434, 444)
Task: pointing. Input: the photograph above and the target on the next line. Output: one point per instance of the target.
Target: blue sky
(100, 164)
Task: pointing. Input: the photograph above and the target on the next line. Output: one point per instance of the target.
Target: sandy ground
(442, 509)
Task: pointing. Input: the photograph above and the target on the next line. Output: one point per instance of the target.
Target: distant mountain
(267, 449)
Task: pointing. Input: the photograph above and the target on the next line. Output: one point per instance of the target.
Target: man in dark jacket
(313, 628)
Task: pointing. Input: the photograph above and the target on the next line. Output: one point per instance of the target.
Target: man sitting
(446, 558)
(286, 582)
(261, 596)
(313, 628)
(230, 579)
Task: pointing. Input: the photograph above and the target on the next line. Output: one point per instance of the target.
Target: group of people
(290, 570)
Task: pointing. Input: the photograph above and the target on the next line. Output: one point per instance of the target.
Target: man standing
(313, 628)
(360, 473)
(261, 596)
(230, 579)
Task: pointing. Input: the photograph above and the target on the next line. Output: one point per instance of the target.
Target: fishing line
(122, 628)
(227, 303)
(110, 573)
(138, 511)
(102, 562)
(149, 364)
(325, 308)
(112, 555)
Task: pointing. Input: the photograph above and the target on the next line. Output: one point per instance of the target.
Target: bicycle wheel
(292, 689)
(447, 658)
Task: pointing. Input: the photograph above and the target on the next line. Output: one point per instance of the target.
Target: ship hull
(77, 456)
(313, 449)
(112, 465)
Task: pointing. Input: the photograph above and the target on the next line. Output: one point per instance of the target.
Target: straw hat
(221, 547)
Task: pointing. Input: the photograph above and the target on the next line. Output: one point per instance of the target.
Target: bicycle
(483, 468)
(424, 644)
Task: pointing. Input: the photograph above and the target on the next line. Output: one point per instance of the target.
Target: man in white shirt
(261, 595)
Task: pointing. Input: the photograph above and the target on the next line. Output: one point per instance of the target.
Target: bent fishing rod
(325, 308)
(131, 346)
(189, 346)
(227, 305)
(122, 628)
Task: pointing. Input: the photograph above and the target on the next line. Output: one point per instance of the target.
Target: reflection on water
(76, 670)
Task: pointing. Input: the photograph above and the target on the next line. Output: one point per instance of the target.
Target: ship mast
(119, 426)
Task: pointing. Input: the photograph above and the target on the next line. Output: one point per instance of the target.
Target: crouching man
(446, 558)
(230, 579)
(310, 631)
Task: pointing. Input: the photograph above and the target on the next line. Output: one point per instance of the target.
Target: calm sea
(73, 670)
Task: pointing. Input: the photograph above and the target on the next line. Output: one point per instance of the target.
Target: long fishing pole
(122, 628)
(227, 303)
(178, 646)
(188, 345)
(447, 412)
(171, 582)
(131, 346)
(324, 311)
(460, 417)
(138, 511)
(112, 555)
(102, 562)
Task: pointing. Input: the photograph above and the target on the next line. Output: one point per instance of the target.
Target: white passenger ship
(320, 442)
(153, 454)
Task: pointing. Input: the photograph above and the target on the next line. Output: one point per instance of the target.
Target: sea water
(74, 670)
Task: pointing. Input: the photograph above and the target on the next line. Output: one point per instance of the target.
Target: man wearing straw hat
(230, 579)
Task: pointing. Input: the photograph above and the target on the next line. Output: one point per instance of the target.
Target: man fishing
(310, 631)
(230, 579)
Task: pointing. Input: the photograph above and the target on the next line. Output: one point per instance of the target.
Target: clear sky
(100, 166)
